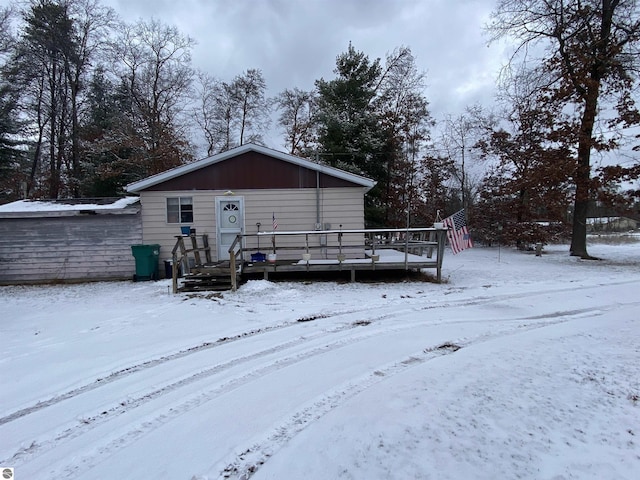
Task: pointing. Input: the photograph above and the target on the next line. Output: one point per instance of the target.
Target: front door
(230, 216)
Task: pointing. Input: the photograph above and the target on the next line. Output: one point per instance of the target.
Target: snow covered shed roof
(243, 153)
(70, 207)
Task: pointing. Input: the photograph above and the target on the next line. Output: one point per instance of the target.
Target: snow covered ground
(516, 367)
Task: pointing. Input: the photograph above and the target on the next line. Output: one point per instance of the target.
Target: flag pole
(273, 237)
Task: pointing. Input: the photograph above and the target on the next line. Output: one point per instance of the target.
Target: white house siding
(155, 228)
(68, 248)
(295, 210)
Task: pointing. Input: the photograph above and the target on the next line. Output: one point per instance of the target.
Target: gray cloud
(295, 43)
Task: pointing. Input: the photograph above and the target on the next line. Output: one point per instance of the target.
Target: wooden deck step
(204, 287)
(210, 271)
(208, 278)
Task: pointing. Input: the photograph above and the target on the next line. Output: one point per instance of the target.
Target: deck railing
(338, 245)
(180, 255)
(332, 244)
(235, 259)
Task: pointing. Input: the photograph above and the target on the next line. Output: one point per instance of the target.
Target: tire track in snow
(173, 411)
(170, 412)
(158, 361)
(132, 403)
(89, 422)
(252, 458)
(130, 370)
(247, 463)
(125, 372)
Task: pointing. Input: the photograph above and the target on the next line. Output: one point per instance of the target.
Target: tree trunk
(38, 146)
(591, 94)
(54, 174)
(243, 123)
(583, 173)
(75, 138)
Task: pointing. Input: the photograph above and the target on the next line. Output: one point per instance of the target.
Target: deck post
(205, 244)
(184, 258)
(232, 268)
(432, 236)
(406, 250)
(174, 272)
(196, 253)
(440, 234)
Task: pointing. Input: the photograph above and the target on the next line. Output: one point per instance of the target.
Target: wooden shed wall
(72, 248)
(295, 209)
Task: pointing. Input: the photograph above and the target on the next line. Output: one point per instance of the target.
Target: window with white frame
(180, 210)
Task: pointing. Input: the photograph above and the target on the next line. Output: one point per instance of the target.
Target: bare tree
(155, 68)
(530, 179)
(215, 113)
(591, 52)
(297, 110)
(232, 114)
(459, 143)
(93, 24)
(405, 119)
(253, 107)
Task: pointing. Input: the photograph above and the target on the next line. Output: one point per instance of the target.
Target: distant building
(611, 224)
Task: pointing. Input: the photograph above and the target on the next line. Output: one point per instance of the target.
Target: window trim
(181, 211)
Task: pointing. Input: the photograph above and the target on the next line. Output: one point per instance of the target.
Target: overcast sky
(295, 42)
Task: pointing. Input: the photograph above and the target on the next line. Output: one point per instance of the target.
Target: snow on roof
(35, 208)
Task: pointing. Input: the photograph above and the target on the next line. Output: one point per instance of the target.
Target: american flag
(458, 233)
(275, 224)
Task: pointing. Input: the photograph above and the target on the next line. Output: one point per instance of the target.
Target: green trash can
(146, 261)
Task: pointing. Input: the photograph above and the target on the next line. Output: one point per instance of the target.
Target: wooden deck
(388, 260)
(382, 250)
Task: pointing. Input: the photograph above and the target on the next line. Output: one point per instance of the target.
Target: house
(247, 190)
(611, 224)
(68, 240)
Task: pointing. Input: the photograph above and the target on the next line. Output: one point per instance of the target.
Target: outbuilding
(247, 190)
(68, 240)
(611, 224)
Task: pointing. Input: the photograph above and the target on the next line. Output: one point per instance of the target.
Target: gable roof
(220, 157)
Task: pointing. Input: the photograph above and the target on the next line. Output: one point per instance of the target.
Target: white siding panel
(294, 209)
(155, 228)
